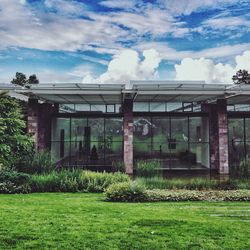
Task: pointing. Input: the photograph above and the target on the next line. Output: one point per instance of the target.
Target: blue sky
(114, 41)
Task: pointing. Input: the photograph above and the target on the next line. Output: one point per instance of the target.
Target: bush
(191, 195)
(147, 168)
(75, 181)
(118, 166)
(242, 170)
(125, 191)
(38, 162)
(186, 183)
(13, 182)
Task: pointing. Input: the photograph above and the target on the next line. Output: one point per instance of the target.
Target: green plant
(118, 166)
(147, 168)
(13, 182)
(242, 170)
(14, 143)
(39, 162)
(74, 180)
(126, 191)
(197, 183)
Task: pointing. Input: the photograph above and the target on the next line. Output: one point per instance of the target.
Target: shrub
(242, 170)
(13, 182)
(125, 191)
(75, 181)
(118, 166)
(38, 162)
(192, 195)
(185, 183)
(147, 168)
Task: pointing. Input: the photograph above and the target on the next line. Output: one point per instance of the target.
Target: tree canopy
(241, 77)
(21, 80)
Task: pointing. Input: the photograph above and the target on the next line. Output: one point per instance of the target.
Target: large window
(87, 141)
(178, 142)
(239, 139)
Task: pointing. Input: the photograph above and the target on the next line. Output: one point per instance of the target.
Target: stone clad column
(128, 135)
(223, 136)
(218, 125)
(39, 122)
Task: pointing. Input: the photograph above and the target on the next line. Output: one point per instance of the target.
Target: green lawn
(85, 221)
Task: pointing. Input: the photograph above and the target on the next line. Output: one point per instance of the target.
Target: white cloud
(207, 70)
(122, 4)
(186, 7)
(127, 65)
(167, 53)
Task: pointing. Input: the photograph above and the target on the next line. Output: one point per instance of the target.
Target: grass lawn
(85, 221)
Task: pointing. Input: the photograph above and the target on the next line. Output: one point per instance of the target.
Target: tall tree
(33, 80)
(241, 77)
(21, 80)
(14, 143)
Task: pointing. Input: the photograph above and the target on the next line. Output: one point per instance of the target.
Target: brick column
(39, 122)
(128, 135)
(219, 159)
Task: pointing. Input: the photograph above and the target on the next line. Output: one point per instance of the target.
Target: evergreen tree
(14, 143)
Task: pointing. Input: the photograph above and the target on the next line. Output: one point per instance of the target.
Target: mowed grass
(85, 221)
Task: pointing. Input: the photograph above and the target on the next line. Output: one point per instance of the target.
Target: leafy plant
(39, 162)
(13, 182)
(242, 170)
(126, 191)
(147, 168)
(118, 166)
(14, 143)
(75, 181)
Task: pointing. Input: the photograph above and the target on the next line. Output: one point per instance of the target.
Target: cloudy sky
(115, 41)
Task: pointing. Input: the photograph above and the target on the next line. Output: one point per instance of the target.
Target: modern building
(185, 125)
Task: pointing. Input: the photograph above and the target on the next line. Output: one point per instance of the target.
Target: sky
(111, 41)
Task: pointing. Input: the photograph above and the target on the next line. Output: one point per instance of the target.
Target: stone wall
(39, 122)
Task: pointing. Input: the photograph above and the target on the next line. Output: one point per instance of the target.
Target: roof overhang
(140, 91)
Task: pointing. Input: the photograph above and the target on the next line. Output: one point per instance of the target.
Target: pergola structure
(44, 101)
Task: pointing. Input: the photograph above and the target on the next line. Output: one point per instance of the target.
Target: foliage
(118, 166)
(241, 77)
(242, 170)
(38, 162)
(126, 191)
(147, 168)
(21, 80)
(192, 195)
(74, 181)
(13, 182)
(14, 143)
(197, 183)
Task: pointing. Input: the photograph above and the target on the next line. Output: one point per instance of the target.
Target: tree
(33, 80)
(241, 77)
(14, 143)
(21, 80)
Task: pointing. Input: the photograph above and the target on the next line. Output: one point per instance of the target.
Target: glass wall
(239, 139)
(178, 142)
(87, 141)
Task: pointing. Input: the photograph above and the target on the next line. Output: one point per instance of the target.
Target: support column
(39, 122)
(128, 135)
(218, 125)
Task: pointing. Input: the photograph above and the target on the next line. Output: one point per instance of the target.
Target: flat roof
(140, 91)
